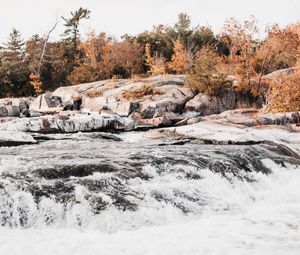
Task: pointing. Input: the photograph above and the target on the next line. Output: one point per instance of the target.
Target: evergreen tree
(72, 27)
(15, 43)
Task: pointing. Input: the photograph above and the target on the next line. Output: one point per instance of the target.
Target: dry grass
(117, 77)
(94, 93)
(137, 77)
(141, 92)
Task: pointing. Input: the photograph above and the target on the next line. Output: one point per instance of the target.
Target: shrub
(35, 81)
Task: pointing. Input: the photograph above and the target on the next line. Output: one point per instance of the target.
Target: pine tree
(72, 27)
(182, 27)
(15, 42)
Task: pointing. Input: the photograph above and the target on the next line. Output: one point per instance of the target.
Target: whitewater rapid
(184, 199)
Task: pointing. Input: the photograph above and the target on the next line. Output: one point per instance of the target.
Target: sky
(118, 17)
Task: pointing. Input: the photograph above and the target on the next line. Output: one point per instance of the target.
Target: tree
(36, 83)
(241, 42)
(207, 74)
(60, 64)
(281, 49)
(160, 39)
(284, 94)
(124, 58)
(91, 66)
(45, 42)
(180, 61)
(183, 28)
(15, 43)
(93, 47)
(155, 63)
(72, 28)
(14, 71)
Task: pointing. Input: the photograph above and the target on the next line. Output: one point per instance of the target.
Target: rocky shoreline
(130, 105)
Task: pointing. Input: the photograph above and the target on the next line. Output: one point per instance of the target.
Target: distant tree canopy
(30, 67)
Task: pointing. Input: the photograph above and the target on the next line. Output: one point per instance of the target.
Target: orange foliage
(240, 38)
(123, 59)
(156, 63)
(208, 75)
(279, 50)
(284, 93)
(36, 83)
(180, 59)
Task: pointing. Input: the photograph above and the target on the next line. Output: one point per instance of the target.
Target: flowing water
(88, 194)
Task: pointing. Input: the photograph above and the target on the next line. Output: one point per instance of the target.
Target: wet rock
(62, 192)
(115, 189)
(62, 172)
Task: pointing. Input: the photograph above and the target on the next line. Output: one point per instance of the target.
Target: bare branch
(45, 45)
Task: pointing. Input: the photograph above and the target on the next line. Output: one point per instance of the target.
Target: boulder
(46, 103)
(122, 97)
(200, 103)
(207, 105)
(14, 107)
(286, 118)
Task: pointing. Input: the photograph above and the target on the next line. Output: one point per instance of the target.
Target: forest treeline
(209, 60)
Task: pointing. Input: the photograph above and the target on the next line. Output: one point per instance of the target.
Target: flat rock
(14, 138)
(65, 124)
(233, 134)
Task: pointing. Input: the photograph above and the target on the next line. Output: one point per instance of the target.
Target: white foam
(261, 217)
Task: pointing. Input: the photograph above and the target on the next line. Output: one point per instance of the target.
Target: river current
(91, 193)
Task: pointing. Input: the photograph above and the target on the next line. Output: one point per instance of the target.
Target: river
(91, 193)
